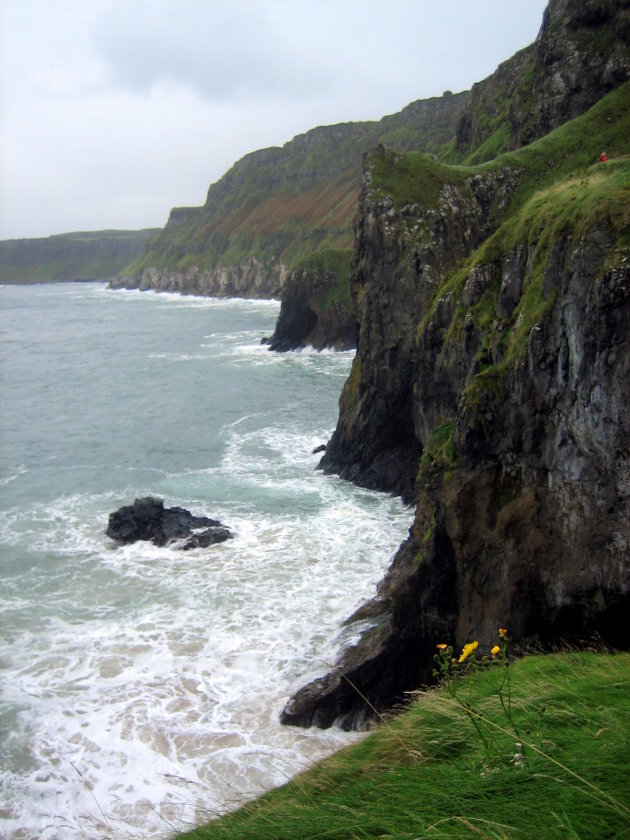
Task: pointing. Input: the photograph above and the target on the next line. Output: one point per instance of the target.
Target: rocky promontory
(316, 307)
(491, 388)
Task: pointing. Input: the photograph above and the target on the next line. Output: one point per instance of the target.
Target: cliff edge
(276, 206)
(491, 388)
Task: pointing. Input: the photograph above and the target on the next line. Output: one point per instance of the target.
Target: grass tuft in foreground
(428, 773)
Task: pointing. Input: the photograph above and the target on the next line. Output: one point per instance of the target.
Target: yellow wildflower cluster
(468, 648)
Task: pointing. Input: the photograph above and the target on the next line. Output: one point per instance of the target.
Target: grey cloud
(220, 50)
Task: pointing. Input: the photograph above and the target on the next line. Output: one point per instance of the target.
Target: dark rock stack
(316, 307)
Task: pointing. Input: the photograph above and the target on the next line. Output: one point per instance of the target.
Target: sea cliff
(85, 255)
(316, 307)
(276, 206)
(491, 387)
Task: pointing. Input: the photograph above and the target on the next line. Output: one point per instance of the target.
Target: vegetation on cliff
(281, 204)
(582, 53)
(94, 255)
(563, 191)
(427, 773)
(491, 388)
(278, 205)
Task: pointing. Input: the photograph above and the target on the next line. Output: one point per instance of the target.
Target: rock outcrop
(252, 279)
(316, 307)
(401, 257)
(491, 386)
(148, 519)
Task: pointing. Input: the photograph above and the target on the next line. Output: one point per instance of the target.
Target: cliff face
(316, 307)
(491, 387)
(252, 279)
(279, 205)
(401, 256)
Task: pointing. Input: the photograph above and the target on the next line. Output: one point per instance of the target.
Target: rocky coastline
(252, 279)
(491, 385)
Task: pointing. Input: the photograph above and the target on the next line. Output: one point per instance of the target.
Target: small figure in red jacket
(603, 157)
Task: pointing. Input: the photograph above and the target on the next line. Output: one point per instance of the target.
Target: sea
(141, 687)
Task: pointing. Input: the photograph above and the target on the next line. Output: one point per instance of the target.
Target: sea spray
(141, 686)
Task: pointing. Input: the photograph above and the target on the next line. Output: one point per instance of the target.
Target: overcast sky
(113, 111)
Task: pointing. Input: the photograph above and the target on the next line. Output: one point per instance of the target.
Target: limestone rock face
(253, 279)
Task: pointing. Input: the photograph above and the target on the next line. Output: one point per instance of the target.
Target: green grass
(494, 146)
(440, 446)
(562, 192)
(69, 256)
(427, 774)
(413, 177)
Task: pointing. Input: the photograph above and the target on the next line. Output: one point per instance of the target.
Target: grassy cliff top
(567, 152)
(84, 255)
(280, 204)
(559, 735)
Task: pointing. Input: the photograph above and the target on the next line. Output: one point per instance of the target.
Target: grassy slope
(69, 256)
(287, 203)
(279, 225)
(332, 288)
(569, 151)
(427, 773)
(563, 190)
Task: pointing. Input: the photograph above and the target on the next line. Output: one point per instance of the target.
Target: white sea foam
(177, 704)
(139, 684)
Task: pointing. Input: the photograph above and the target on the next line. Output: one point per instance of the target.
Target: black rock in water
(148, 519)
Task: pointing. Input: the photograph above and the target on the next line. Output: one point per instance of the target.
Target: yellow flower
(467, 650)
(496, 649)
(502, 631)
(441, 646)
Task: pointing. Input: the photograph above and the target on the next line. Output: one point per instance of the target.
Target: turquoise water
(140, 687)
